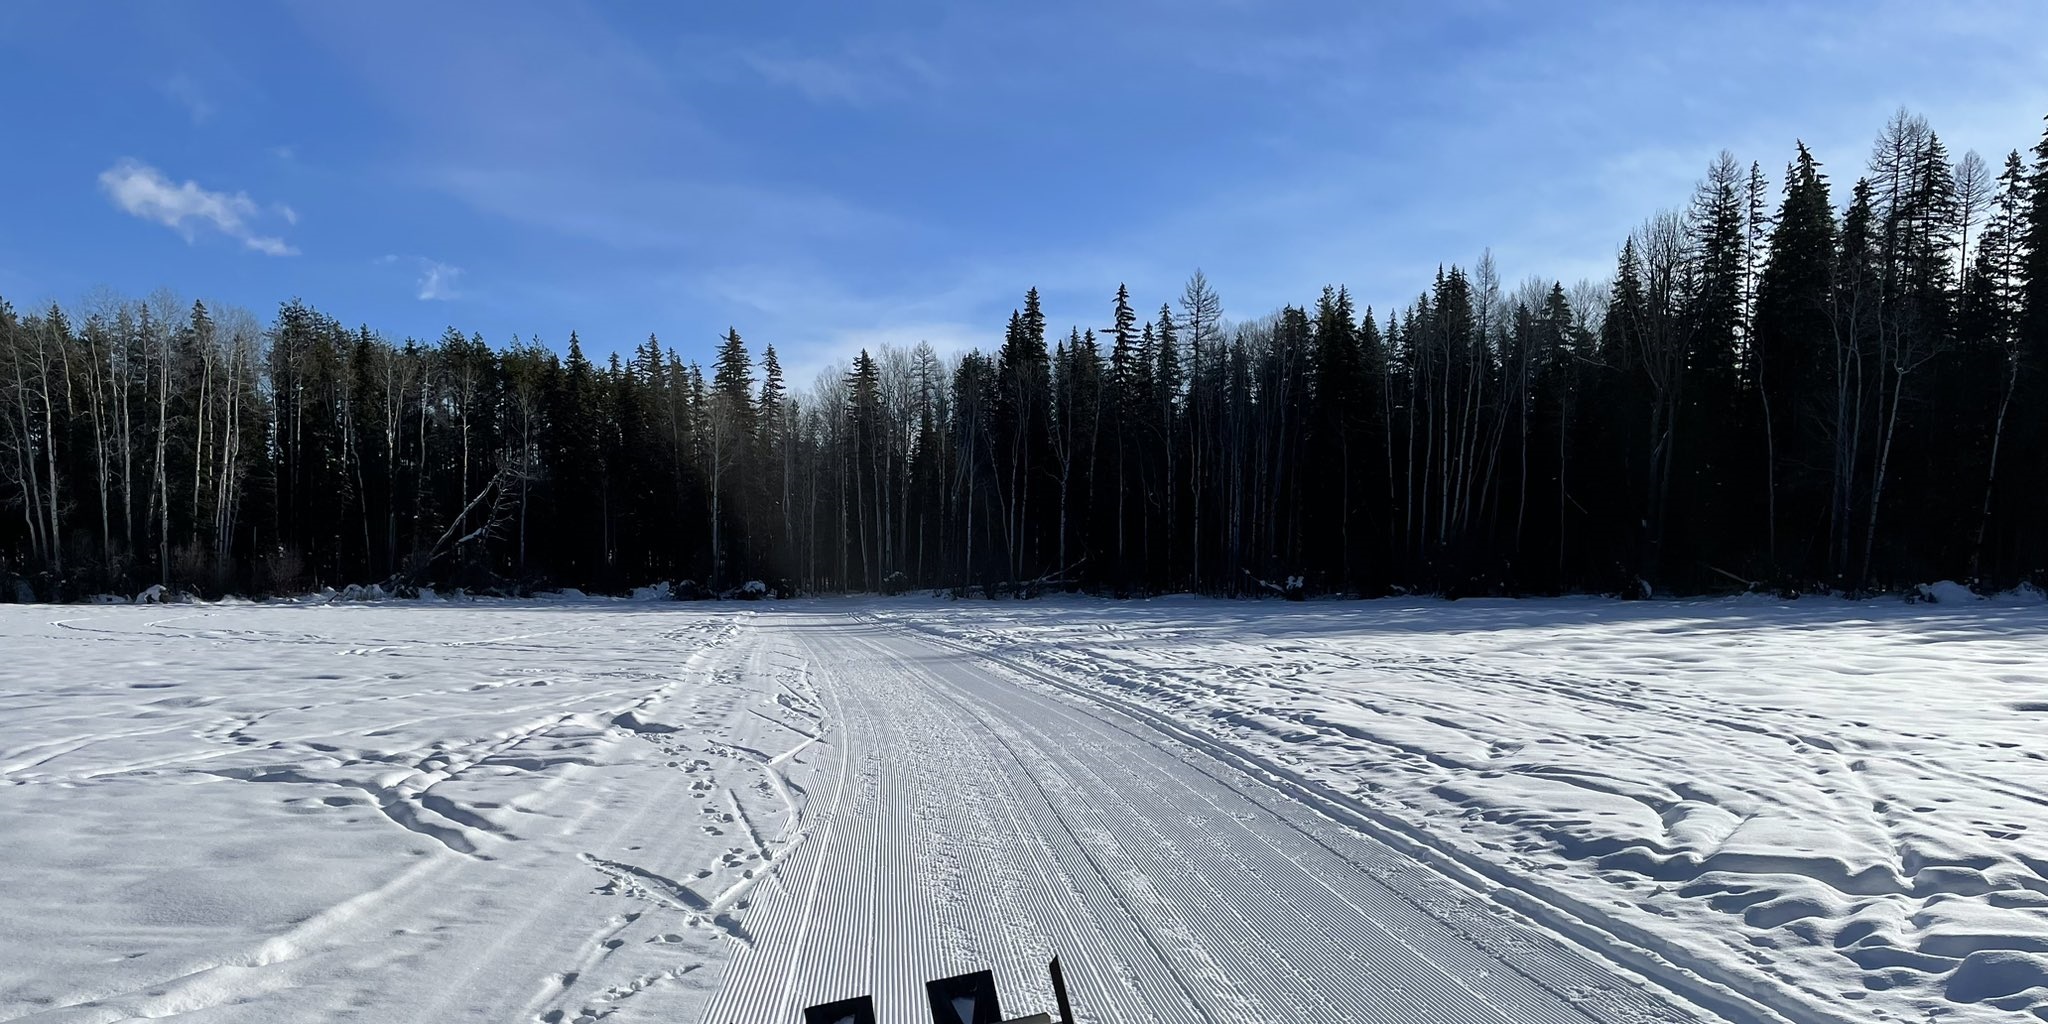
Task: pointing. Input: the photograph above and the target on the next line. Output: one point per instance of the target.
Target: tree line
(1784, 385)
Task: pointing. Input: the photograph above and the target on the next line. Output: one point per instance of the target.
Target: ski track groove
(1585, 926)
(980, 812)
(1246, 965)
(983, 819)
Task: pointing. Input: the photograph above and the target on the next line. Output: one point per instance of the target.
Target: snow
(1946, 592)
(1842, 805)
(157, 593)
(393, 811)
(575, 809)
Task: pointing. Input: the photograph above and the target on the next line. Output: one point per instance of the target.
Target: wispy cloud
(437, 281)
(143, 191)
(183, 90)
(858, 72)
(661, 213)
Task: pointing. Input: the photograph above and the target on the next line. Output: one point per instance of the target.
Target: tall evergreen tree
(1791, 361)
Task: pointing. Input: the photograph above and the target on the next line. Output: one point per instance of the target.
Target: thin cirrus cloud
(861, 72)
(145, 192)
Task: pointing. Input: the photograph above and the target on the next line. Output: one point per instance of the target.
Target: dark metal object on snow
(964, 999)
(858, 1010)
(1059, 991)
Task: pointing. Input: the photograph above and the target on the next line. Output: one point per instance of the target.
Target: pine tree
(1718, 428)
(776, 451)
(1336, 384)
(1789, 354)
(729, 432)
(2032, 342)
(1166, 385)
(1023, 375)
(864, 407)
(2034, 258)
(1990, 327)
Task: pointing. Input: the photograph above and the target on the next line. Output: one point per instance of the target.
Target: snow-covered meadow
(1841, 807)
(380, 812)
(559, 812)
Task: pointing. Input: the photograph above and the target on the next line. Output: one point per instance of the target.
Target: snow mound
(1944, 592)
(1997, 974)
(657, 592)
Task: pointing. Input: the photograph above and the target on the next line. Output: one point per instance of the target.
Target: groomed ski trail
(978, 821)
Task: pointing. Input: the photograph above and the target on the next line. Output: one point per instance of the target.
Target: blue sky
(827, 175)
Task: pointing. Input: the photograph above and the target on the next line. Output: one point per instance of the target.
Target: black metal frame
(979, 987)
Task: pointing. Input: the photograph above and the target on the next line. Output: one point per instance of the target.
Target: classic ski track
(817, 852)
(1244, 895)
(1706, 985)
(1229, 902)
(1038, 824)
(1842, 757)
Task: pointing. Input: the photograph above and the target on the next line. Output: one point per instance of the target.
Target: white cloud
(143, 191)
(269, 246)
(437, 281)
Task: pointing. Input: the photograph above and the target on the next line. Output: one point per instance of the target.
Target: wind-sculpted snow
(1571, 811)
(590, 811)
(1839, 810)
(390, 813)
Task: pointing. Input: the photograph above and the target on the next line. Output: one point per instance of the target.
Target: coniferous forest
(1815, 378)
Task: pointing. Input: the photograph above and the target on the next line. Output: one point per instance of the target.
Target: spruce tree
(2034, 259)
(1790, 358)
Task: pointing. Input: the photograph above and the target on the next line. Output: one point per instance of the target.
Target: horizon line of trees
(1791, 387)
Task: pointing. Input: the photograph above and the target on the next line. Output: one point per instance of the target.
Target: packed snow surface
(1839, 808)
(1211, 811)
